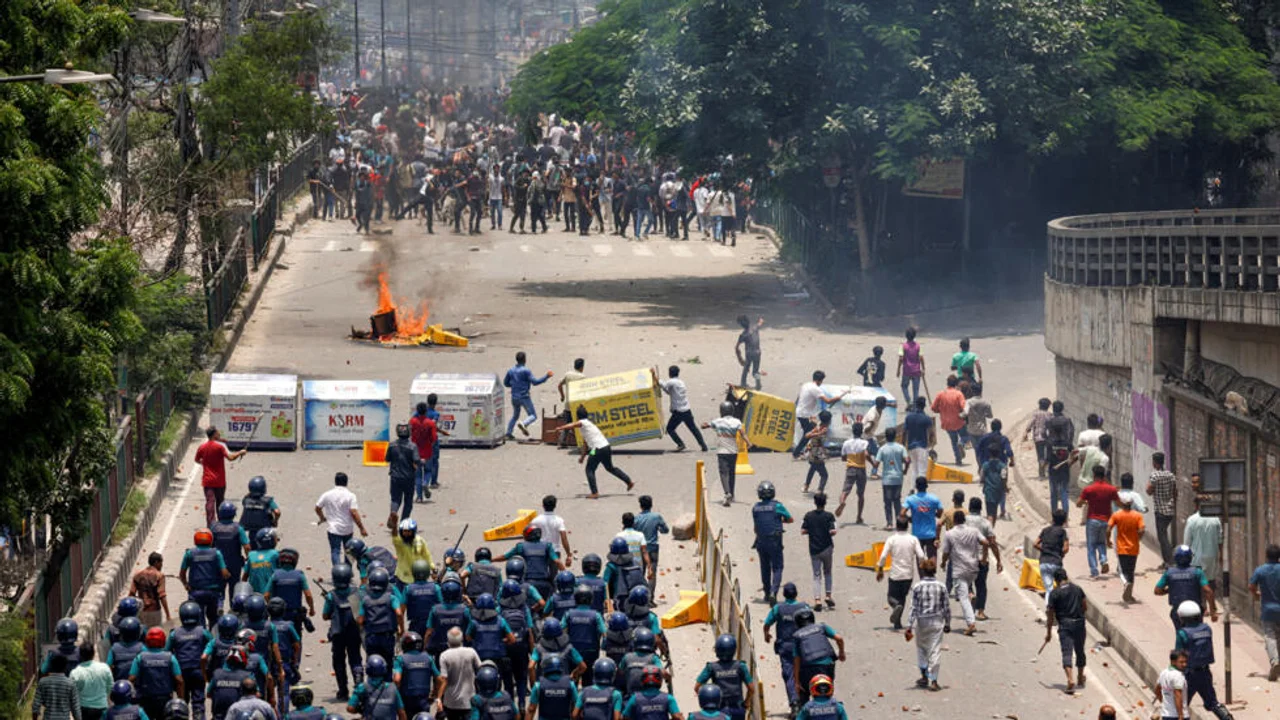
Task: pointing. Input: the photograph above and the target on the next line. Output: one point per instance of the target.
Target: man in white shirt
(904, 553)
(1171, 688)
(729, 432)
(552, 526)
(634, 538)
(811, 394)
(457, 682)
(595, 451)
(681, 412)
(340, 511)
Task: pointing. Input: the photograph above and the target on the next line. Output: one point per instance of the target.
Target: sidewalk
(1141, 632)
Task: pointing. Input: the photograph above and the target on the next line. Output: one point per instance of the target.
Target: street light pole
(356, 24)
(382, 32)
(408, 39)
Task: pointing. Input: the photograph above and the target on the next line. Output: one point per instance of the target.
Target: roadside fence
(729, 614)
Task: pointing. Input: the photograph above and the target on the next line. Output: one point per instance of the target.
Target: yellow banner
(625, 406)
(769, 420)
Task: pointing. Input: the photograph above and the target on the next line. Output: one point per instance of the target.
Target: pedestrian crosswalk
(660, 248)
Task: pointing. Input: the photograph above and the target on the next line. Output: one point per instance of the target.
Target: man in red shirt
(424, 434)
(212, 456)
(948, 405)
(1099, 496)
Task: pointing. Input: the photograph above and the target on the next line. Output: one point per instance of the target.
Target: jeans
(1059, 482)
(1046, 578)
(821, 563)
(402, 497)
(603, 456)
(769, 548)
(898, 592)
(1271, 638)
(915, 389)
(958, 440)
(684, 417)
(1071, 641)
(787, 659)
(819, 469)
(892, 502)
(518, 404)
(336, 544)
(751, 365)
(1165, 527)
(1096, 544)
(728, 465)
(806, 424)
(495, 214)
(425, 476)
(963, 586)
(642, 217)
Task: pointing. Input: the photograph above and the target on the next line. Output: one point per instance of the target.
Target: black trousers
(603, 456)
(476, 213)
(517, 215)
(684, 417)
(539, 215)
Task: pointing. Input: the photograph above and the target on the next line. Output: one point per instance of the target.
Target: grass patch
(133, 506)
(168, 436)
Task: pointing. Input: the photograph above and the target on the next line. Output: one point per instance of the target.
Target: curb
(1117, 637)
(829, 311)
(111, 577)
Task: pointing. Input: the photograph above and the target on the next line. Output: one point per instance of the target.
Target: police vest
(341, 616)
(727, 675)
(632, 669)
(122, 655)
(822, 709)
(256, 665)
(555, 701)
(583, 628)
(286, 584)
(597, 702)
(1199, 645)
(537, 560)
(284, 629)
(255, 513)
(615, 643)
(812, 642)
(485, 578)
(221, 648)
(310, 713)
(226, 689)
(203, 572)
(702, 715)
(379, 616)
(124, 712)
(71, 653)
(445, 617)
(419, 598)
(262, 643)
(786, 626)
(487, 637)
(561, 604)
(598, 590)
(516, 613)
(188, 646)
(416, 675)
(1183, 583)
(155, 674)
(629, 574)
(497, 706)
(380, 702)
(651, 707)
(380, 554)
(226, 538)
(767, 519)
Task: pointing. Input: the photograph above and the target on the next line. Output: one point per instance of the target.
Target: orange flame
(410, 322)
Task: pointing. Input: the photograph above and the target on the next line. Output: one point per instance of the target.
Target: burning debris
(393, 325)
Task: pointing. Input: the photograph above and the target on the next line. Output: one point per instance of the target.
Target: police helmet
(228, 626)
(510, 589)
(177, 709)
(1182, 556)
(226, 511)
(379, 579)
(67, 631)
(651, 677)
(410, 642)
(266, 538)
(726, 647)
(643, 640)
(532, 533)
(355, 547)
(237, 657)
(726, 410)
(1188, 609)
(375, 666)
(190, 614)
(639, 595)
(485, 607)
(618, 622)
(451, 591)
(455, 556)
(552, 628)
(766, 490)
(487, 680)
(122, 692)
(421, 570)
(255, 608)
(301, 696)
(582, 595)
(618, 546)
(276, 607)
(709, 697)
(591, 564)
(803, 617)
(603, 670)
(552, 665)
(257, 485)
(155, 638)
(565, 581)
(515, 569)
(242, 593)
(202, 538)
(483, 554)
(247, 637)
(789, 591)
(821, 686)
(130, 629)
(128, 607)
(341, 575)
(288, 558)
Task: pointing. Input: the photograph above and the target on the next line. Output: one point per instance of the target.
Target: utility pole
(356, 24)
(382, 34)
(408, 41)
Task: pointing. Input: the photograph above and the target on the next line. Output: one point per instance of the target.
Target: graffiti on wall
(1151, 432)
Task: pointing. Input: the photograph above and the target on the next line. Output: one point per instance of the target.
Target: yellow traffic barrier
(744, 463)
(692, 608)
(513, 529)
(1029, 579)
(944, 474)
(375, 453)
(866, 558)
(437, 335)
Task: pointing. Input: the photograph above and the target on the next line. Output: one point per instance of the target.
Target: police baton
(444, 567)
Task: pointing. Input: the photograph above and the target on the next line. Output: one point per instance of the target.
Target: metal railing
(729, 614)
(223, 289)
(288, 179)
(151, 411)
(1199, 249)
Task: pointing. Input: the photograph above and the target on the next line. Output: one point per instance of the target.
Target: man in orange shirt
(948, 405)
(1129, 527)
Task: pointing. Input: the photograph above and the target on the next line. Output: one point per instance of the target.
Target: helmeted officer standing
(290, 584)
(187, 643)
(419, 597)
(67, 633)
(1196, 637)
(813, 652)
(513, 606)
(203, 572)
(258, 510)
(1183, 582)
(380, 615)
(541, 562)
(554, 696)
(490, 702)
(591, 567)
(344, 630)
(155, 674)
(450, 613)
(585, 626)
(731, 676)
(129, 646)
(377, 697)
(414, 672)
(768, 517)
(232, 540)
(600, 700)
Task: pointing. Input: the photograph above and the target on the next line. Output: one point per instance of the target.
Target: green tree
(65, 303)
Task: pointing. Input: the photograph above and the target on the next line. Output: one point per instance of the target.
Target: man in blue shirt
(651, 524)
(521, 380)
(891, 459)
(1264, 583)
(919, 432)
(924, 508)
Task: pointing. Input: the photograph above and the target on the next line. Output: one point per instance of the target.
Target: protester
(816, 448)
(1066, 606)
(681, 412)
(820, 526)
(148, 586)
(339, 510)
(1099, 497)
(807, 407)
(949, 404)
(1162, 486)
(910, 367)
(1264, 586)
(595, 451)
(1128, 526)
(93, 680)
(729, 434)
(892, 460)
(1204, 536)
(212, 456)
(904, 553)
(930, 610)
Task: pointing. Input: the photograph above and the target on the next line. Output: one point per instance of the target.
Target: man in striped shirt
(56, 694)
(1162, 486)
(930, 610)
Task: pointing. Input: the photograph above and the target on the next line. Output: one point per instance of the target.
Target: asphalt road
(624, 305)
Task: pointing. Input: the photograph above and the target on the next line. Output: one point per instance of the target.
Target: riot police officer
(216, 652)
(414, 672)
(515, 570)
(813, 652)
(67, 633)
(1182, 582)
(263, 560)
(650, 703)
(617, 637)
(554, 696)
(290, 583)
(554, 642)
(623, 572)
(344, 630)
(585, 626)
(129, 646)
(258, 510)
(731, 675)
(380, 615)
(302, 697)
(203, 572)
(636, 608)
(513, 606)
(489, 634)
(288, 647)
(634, 664)
(709, 701)
(122, 707)
(419, 597)
(540, 559)
(490, 702)
(187, 643)
(591, 568)
(232, 540)
(224, 685)
(768, 516)
(127, 607)
(450, 613)
(1196, 638)
(562, 601)
(822, 706)
(600, 700)
(376, 698)
(155, 673)
(483, 576)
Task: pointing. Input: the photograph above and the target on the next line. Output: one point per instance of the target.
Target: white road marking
(163, 540)
(680, 251)
(331, 246)
(602, 250)
(720, 251)
(641, 251)
(368, 246)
